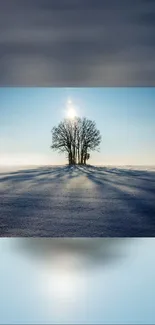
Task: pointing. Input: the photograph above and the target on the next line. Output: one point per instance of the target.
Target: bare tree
(77, 138)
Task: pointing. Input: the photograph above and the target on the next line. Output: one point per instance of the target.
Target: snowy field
(90, 201)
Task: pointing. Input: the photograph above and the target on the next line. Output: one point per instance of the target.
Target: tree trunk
(70, 157)
(85, 158)
(78, 156)
(82, 158)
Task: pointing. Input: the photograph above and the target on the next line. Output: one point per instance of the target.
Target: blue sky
(125, 117)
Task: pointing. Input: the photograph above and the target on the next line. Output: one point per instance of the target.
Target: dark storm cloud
(77, 42)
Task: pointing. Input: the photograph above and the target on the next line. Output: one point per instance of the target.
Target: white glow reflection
(63, 284)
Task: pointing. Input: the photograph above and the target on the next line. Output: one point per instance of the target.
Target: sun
(71, 113)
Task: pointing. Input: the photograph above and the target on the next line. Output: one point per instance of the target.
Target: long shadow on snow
(28, 175)
(144, 209)
(141, 208)
(123, 172)
(145, 186)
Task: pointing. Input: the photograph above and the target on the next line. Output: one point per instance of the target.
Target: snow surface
(91, 201)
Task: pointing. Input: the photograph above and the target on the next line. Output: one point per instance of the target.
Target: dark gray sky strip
(83, 43)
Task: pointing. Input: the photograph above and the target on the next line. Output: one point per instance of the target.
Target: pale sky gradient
(125, 117)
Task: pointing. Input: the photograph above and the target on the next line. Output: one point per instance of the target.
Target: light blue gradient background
(125, 117)
(122, 291)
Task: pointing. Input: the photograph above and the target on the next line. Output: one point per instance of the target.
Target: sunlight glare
(71, 113)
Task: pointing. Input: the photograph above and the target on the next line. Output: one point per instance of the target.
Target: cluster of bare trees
(77, 138)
